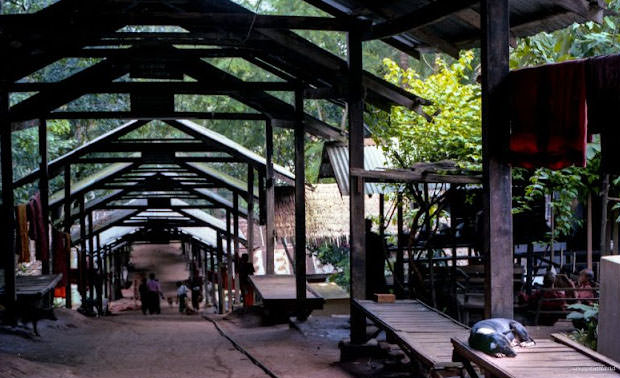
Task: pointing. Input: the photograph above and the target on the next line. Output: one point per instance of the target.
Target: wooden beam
(8, 212)
(161, 115)
(407, 176)
(497, 206)
(269, 198)
(225, 21)
(426, 15)
(300, 209)
(356, 191)
(142, 87)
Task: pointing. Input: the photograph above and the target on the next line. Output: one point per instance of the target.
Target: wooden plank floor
(547, 358)
(423, 332)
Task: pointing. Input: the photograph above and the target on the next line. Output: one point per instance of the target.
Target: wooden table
(421, 331)
(558, 357)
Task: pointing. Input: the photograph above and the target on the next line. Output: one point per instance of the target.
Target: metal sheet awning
(335, 163)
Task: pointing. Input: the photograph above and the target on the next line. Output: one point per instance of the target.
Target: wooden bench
(558, 357)
(278, 295)
(35, 286)
(422, 332)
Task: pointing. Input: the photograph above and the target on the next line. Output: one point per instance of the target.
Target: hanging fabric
(61, 249)
(38, 231)
(548, 116)
(603, 96)
(22, 233)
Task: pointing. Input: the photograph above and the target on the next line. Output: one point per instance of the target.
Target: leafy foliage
(453, 134)
(585, 319)
(338, 257)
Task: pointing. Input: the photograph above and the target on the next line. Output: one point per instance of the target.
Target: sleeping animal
(498, 336)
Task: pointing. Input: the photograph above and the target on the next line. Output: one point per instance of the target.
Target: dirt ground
(130, 344)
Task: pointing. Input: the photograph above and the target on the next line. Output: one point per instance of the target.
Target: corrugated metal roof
(224, 178)
(98, 176)
(204, 234)
(110, 218)
(233, 148)
(115, 233)
(335, 163)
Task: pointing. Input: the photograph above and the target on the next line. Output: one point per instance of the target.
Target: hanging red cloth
(22, 233)
(603, 95)
(61, 247)
(38, 231)
(548, 116)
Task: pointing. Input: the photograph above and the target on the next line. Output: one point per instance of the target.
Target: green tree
(454, 132)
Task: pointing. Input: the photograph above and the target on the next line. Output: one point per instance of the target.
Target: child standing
(181, 296)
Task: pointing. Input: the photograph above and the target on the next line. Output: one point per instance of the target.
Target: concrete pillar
(609, 312)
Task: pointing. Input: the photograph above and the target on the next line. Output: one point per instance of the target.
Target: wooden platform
(278, 294)
(35, 285)
(555, 357)
(421, 331)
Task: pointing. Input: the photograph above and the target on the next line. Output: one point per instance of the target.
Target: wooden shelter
(75, 28)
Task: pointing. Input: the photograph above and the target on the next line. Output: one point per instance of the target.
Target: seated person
(547, 305)
(586, 282)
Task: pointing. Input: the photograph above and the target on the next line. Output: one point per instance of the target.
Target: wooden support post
(497, 245)
(8, 212)
(454, 257)
(589, 232)
(269, 200)
(356, 184)
(82, 254)
(250, 219)
(429, 251)
(399, 269)
(236, 244)
(261, 197)
(91, 257)
(205, 274)
(98, 276)
(220, 286)
(603, 244)
(67, 225)
(382, 217)
(213, 275)
(44, 190)
(614, 233)
(106, 291)
(300, 207)
(530, 268)
(229, 261)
